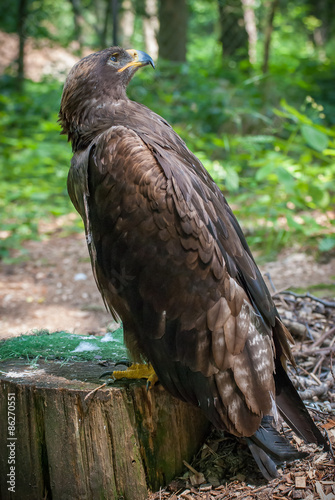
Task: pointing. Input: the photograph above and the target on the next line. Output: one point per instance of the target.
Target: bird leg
(136, 371)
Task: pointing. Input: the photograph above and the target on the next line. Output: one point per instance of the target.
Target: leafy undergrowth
(34, 161)
(274, 162)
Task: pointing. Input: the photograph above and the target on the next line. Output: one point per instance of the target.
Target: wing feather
(170, 261)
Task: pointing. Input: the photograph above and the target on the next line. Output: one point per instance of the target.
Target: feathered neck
(88, 101)
(89, 121)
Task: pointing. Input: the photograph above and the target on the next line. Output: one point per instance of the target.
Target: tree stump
(121, 440)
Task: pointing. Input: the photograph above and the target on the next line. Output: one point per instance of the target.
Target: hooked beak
(140, 58)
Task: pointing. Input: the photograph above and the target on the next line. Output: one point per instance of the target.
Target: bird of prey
(171, 261)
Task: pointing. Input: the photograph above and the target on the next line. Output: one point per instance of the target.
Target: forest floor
(54, 289)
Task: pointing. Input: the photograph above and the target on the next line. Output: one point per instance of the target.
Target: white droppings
(80, 277)
(24, 373)
(85, 346)
(109, 338)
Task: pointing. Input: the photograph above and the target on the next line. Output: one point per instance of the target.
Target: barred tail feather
(269, 448)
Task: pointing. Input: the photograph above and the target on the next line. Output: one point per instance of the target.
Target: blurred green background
(248, 84)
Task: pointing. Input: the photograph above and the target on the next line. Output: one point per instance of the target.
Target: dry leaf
(321, 458)
(320, 490)
(198, 478)
(330, 424)
(185, 493)
(300, 481)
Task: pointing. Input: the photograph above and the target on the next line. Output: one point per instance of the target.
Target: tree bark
(115, 443)
(251, 28)
(115, 15)
(151, 28)
(233, 36)
(172, 33)
(127, 21)
(78, 24)
(268, 36)
(21, 30)
(100, 24)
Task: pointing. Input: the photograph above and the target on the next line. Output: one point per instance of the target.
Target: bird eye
(114, 57)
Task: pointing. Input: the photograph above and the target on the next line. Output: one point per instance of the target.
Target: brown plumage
(171, 261)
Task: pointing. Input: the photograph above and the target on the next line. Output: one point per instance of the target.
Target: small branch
(323, 337)
(316, 391)
(314, 377)
(307, 295)
(94, 391)
(314, 352)
(331, 366)
(275, 292)
(296, 328)
(319, 364)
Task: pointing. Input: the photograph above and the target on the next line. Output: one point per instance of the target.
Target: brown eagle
(171, 261)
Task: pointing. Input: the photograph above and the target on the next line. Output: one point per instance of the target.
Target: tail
(293, 410)
(289, 403)
(269, 448)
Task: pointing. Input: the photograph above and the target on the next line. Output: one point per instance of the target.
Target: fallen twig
(94, 391)
(294, 327)
(312, 352)
(323, 337)
(307, 295)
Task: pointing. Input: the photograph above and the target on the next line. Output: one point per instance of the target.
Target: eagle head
(93, 84)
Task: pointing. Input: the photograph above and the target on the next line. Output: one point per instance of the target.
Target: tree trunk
(127, 21)
(172, 30)
(78, 24)
(151, 28)
(115, 443)
(21, 30)
(233, 36)
(102, 17)
(251, 28)
(268, 35)
(115, 15)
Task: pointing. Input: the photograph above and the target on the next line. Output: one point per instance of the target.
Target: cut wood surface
(116, 444)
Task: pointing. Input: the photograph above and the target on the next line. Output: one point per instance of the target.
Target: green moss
(320, 290)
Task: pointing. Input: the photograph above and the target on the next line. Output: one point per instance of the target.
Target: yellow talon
(135, 372)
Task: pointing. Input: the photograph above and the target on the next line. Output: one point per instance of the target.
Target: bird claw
(109, 374)
(133, 372)
(125, 362)
(152, 380)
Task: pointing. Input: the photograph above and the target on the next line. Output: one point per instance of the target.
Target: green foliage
(276, 166)
(268, 144)
(50, 19)
(293, 182)
(34, 161)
